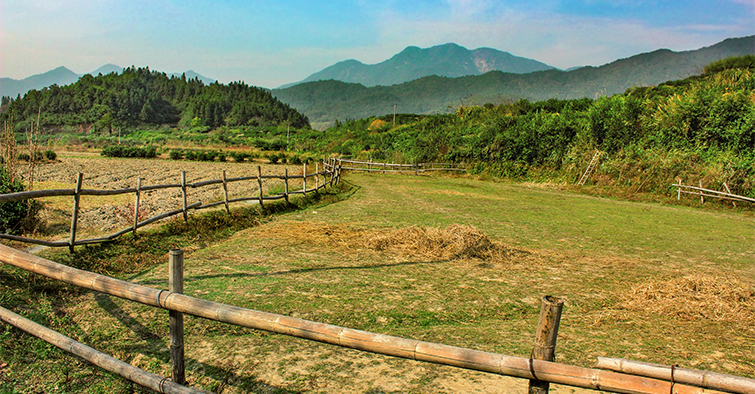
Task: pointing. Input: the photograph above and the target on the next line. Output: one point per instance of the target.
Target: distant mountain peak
(445, 60)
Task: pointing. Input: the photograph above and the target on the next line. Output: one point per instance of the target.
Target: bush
(24, 157)
(51, 155)
(176, 154)
(15, 216)
(273, 158)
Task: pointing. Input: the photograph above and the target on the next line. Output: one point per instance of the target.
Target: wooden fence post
(545, 338)
(75, 215)
(183, 191)
(176, 285)
(702, 199)
(136, 203)
(285, 179)
(317, 177)
(225, 193)
(305, 179)
(729, 191)
(679, 190)
(259, 181)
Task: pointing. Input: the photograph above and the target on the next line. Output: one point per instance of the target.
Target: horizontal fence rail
(703, 192)
(105, 361)
(373, 166)
(526, 368)
(323, 177)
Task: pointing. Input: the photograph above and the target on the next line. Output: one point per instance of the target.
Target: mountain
(62, 76)
(448, 60)
(107, 69)
(325, 101)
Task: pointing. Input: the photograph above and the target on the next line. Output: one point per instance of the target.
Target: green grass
(314, 263)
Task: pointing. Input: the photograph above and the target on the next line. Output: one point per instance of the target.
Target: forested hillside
(139, 97)
(698, 128)
(325, 101)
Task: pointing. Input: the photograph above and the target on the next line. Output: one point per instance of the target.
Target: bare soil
(112, 213)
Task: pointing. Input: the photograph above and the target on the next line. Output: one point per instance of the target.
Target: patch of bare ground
(104, 215)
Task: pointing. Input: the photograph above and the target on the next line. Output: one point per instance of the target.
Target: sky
(271, 43)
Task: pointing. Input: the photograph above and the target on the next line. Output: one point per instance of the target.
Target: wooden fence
(527, 368)
(371, 166)
(323, 176)
(703, 192)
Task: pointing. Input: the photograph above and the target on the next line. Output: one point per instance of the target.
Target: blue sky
(269, 43)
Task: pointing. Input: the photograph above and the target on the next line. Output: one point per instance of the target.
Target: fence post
(305, 179)
(136, 203)
(259, 181)
(225, 193)
(702, 199)
(176, 318)
(679, 190)
(729, 191)
(545, 338)
(75, 215)
(317, 177)
(285, 179)
(183, 191)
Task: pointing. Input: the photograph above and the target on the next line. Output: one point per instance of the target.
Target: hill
(325, 101)
(448, 60)
(62, 76)
(138, 96)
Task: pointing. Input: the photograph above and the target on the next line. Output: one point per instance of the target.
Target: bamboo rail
(373, 166)
(79, 191)
(702, 192)
(705, 379)
(102, 360)
(350, 338)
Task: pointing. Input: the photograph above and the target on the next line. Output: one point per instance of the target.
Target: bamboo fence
(373, 166)
(703, 192)
(330, 173)
(527, 368)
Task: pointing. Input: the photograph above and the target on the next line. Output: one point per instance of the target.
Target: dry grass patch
(419, 243)
(694, 297)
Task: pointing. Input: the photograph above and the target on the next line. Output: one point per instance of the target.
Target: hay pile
(453, 242)
(424, 243)
(694, 297)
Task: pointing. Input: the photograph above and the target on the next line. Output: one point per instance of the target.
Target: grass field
(452, 260)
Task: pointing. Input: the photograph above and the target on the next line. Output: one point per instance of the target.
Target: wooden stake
(176, 285)
(305, 179)
(545, 339)
(702, 199)
(183, 191)
(679, 189)
(136, 203)
(225, 192)
(259, 181)
(729, 191)
(285, 179)
(317, 177)
(75, 215)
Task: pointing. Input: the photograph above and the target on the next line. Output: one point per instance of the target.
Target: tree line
(139, 97)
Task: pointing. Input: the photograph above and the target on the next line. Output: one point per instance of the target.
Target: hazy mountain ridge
(448, 60)
(325, 101)
(62, 76)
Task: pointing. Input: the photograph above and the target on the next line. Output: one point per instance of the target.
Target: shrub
(273, 158)
(15, 216)
(24, 157)
(176, 154)
(51, 155)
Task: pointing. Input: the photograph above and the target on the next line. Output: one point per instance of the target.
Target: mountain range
(62, 76)
(448, 60)
(325, 101)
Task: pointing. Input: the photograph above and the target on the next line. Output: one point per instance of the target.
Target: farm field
(452, 260)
